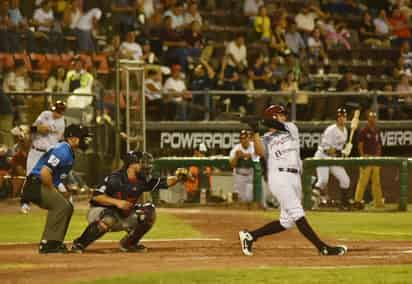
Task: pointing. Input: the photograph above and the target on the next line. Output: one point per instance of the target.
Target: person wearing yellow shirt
(262, 24)
(78, 81)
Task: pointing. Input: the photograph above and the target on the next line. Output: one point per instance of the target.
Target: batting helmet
(59, 107)
(79, 131)
(273, 110)
(341, 112)
(269, 116)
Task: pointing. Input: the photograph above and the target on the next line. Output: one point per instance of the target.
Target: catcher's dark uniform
(136, 222)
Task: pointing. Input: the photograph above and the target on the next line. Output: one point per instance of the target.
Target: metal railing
(291, 97)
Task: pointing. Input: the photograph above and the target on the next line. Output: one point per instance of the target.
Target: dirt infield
(22, 263)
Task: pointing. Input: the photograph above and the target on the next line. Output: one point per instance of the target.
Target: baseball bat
(354, 125)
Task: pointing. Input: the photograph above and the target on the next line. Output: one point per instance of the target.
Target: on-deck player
(332, 145)
(47, 131)
(280, 147)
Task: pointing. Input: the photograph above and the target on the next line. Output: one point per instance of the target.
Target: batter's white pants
(287, 188)
(243, 185)
(32, 158)
(323, 174)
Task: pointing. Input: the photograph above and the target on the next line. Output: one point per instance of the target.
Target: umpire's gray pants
(60, 210)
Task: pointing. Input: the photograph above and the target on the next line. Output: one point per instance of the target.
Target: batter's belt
(289, 170)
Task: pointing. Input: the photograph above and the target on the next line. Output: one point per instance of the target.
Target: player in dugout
(370, 145)
(115, 204)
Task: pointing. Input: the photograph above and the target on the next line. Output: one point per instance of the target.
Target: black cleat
(77, 248)
(133, 248)
(338, 250)
(52, 247)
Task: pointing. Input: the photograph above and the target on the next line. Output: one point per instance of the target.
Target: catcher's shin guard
(146, 215)
(93, 232)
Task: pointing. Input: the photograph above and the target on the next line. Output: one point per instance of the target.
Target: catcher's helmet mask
(81, 132)
(145, 160)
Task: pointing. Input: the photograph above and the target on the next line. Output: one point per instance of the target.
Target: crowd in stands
(299, 45)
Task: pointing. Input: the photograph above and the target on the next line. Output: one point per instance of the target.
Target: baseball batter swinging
(114, 206)
(280, 146)
(333, 145)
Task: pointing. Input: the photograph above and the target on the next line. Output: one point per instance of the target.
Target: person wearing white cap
(240, 157)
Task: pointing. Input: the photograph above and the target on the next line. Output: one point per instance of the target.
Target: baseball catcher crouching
(114, 206)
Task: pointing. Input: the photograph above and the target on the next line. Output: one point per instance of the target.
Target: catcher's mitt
(182, 174)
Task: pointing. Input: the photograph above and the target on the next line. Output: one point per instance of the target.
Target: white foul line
(143, 240)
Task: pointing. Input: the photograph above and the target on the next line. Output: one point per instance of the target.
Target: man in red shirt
(369, 145)
(399, 26)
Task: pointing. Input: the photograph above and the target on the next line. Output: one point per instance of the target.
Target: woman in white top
(316, 47)
(44, 21)
(84, 29)
(192, 14)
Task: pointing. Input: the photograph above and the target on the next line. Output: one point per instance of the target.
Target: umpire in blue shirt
(44, 187)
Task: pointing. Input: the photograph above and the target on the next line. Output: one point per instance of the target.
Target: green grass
(28, 228)
(292, 275)
(361, 225)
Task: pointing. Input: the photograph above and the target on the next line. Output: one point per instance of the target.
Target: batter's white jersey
(282, 151)
(41, 143)
(332, 137)
(282, 148)
(243, 177)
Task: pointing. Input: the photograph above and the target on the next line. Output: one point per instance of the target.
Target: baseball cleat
(52, 247)
(246, 242)
(77, 248)
(337, 250)
(25, 208)
(133, 248)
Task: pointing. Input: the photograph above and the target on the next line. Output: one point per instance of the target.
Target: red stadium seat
(87, 61)
(101, 63)
(25, 58)
(54, 60)
(6, 60)
(66, 60)
(40, 64)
